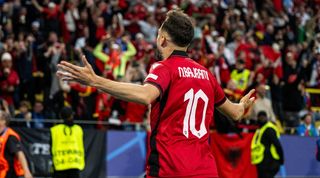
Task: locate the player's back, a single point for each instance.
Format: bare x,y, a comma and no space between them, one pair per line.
180,119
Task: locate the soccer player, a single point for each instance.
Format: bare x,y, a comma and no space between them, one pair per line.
183,95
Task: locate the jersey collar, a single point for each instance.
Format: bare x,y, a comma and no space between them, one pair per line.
179,53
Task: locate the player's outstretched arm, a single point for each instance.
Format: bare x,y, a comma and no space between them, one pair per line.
237,110
143,94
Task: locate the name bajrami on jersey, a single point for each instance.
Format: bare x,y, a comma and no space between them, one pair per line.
196,73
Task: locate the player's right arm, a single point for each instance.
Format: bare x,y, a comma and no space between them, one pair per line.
144,94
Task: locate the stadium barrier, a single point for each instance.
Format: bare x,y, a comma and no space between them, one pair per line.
115,153
36,144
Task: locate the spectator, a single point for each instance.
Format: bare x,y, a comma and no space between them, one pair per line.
222,66
9,80
82,100
269,35
54,53
233,45
52,14
149,28
150,5
71,17
241,76
24,115
315,73
263,103
77,96
277,97
136,13
307,128
292,91
116,28
19,16
60,99
81,41
37,33
38,115
103,108
118,58
4,106
142,46
100,30
23,64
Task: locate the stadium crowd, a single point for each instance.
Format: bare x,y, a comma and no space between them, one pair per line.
270,45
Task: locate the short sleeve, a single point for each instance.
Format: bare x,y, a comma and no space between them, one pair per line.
14,145
219,96
159,76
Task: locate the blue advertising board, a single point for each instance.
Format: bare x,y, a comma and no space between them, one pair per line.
300,157
126,153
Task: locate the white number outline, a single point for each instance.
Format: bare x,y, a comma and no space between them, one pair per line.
190,115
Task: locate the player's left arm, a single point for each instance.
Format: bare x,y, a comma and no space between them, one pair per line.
144,94
237,110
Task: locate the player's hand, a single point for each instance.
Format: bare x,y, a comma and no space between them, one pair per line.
248,99
70,72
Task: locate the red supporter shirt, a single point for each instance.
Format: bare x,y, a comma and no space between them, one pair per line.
180,118
51,13
12,80
135,112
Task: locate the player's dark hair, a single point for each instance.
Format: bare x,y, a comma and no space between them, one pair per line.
179,27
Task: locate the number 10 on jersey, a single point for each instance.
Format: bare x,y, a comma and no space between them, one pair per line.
191,110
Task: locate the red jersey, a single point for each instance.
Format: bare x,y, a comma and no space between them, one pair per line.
180,118
12,80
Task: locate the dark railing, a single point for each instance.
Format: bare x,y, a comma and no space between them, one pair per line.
113,124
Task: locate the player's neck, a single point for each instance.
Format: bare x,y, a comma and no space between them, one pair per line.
168,51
